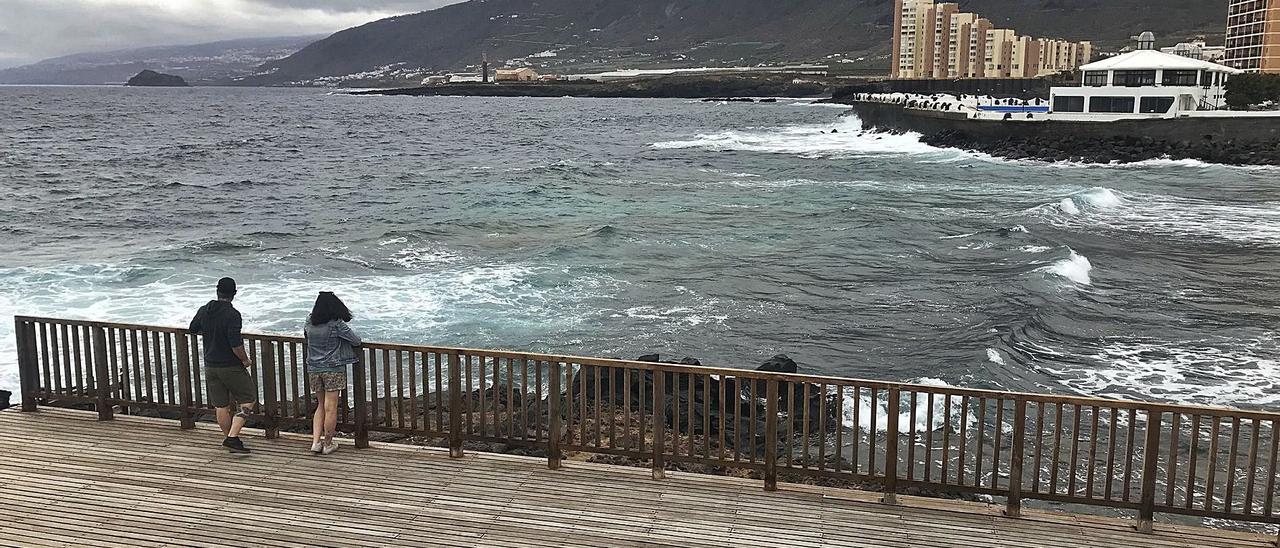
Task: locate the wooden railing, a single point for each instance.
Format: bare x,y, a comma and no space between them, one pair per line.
1144,457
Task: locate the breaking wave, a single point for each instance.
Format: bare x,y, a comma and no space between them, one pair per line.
1255,224
1075,268
811,141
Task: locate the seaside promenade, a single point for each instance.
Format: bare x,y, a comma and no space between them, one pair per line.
67,479
839,458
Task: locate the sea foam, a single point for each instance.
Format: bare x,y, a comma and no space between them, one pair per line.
812,141
1075,268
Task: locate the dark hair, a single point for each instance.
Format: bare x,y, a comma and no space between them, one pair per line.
226,288
328,308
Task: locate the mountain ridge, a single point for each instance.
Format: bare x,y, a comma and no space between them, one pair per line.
201,63
566,35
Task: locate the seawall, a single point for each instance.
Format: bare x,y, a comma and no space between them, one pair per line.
1254,141
672,87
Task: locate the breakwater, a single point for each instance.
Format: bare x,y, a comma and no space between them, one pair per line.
672,87
1224,140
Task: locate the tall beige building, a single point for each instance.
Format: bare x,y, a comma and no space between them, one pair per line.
1253,35
939,41
999,52
913,30
940,53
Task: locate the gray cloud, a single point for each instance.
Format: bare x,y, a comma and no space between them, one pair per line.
31,30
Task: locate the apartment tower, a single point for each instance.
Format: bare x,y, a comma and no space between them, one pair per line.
1253,35
939,41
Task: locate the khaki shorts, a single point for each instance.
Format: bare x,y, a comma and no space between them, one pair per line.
328,381
227,384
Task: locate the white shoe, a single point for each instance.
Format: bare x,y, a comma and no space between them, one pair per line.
329,449
317,447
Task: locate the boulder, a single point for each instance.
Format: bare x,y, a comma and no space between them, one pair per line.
151,78
4,399
778,364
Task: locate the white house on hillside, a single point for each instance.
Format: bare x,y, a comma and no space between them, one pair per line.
1142,84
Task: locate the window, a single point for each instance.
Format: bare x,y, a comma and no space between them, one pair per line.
1095,78
1134,78
1111,104
1155,105
1181,77
1068,104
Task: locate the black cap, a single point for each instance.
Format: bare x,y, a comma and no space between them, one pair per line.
227,287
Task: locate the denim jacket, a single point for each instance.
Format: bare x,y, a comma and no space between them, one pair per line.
330,347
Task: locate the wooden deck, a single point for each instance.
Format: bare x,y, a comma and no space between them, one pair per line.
69,480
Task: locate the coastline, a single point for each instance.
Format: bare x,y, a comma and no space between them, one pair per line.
1218,140
672,87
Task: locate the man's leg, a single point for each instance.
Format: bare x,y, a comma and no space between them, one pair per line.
237,422
224,419
219,397
240,383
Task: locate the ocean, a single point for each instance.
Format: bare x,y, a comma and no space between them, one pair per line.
725,232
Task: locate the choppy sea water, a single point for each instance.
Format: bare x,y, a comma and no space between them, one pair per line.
727,232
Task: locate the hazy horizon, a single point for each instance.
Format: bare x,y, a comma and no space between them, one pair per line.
34,30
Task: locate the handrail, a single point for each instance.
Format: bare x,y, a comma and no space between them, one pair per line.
1199,461
714,370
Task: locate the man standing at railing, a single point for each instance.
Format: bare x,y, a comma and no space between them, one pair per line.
226,364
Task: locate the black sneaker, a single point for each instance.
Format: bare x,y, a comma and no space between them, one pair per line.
235,445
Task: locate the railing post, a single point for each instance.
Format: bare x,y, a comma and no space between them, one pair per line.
28,363
659,424
186,415
891,448
359,385
101,376
770,434
270,398
1013,508
455,406
1150,456
553,417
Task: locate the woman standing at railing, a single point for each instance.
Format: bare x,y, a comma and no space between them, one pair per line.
331,348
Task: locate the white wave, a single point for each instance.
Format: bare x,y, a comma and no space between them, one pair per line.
431,305
995,357
1076,268
1034,248
811,141
1257,224
1201,372
922,410
822,105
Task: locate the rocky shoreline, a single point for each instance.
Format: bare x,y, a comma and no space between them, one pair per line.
1218,140
1111,150
670,87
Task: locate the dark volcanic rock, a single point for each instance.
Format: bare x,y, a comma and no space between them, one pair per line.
4,399
152,78
779,364
1226,140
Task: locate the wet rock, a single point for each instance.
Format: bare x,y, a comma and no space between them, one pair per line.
5,395
779,364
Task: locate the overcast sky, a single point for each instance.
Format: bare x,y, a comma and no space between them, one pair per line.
31,30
